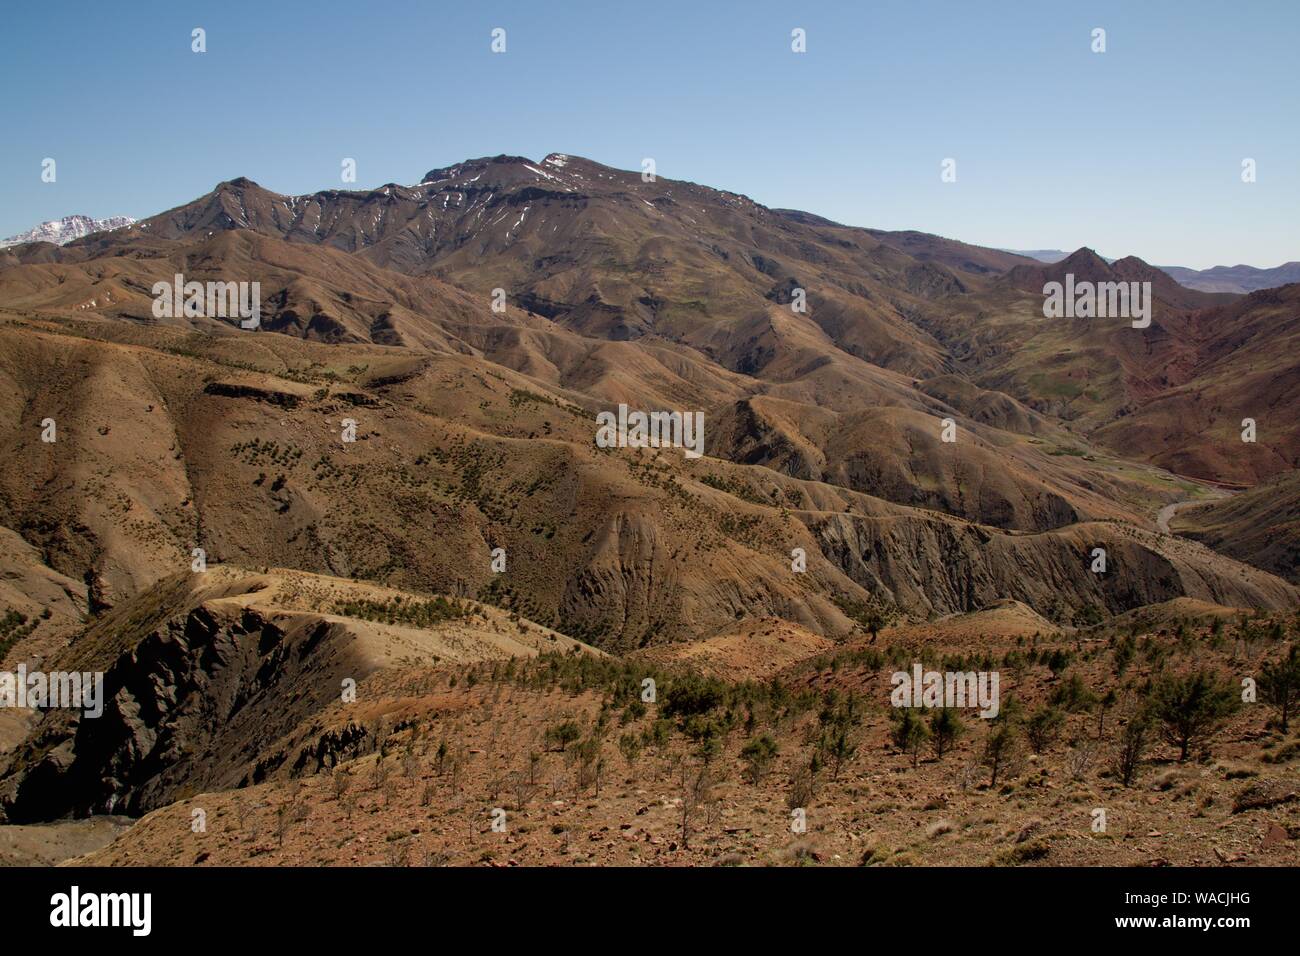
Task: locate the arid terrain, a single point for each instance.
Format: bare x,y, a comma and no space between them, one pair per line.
365,589
584,773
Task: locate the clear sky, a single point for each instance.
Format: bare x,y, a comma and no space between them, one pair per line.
1137,150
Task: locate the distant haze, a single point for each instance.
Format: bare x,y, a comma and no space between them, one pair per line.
1238,278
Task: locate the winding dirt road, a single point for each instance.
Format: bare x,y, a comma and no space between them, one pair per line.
1168,511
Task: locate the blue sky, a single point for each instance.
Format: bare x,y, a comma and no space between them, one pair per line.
1134,151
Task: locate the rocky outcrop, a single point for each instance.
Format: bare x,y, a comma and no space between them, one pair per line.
942,567
194,706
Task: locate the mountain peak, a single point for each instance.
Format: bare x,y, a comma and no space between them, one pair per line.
1087,266
238,185
65,230
1132,268
474,166
1087,259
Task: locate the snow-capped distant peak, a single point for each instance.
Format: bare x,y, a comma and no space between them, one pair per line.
62,231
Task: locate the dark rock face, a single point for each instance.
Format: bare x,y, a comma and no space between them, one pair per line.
200,703
955,568
230,390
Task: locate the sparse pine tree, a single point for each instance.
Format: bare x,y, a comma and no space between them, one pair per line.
1002,750
758,755
341,782
838,745
909,733
283,820
1104,704
561,735
1279,687
1043,727
945,727
1132,748
629,745
1073,694
1191,707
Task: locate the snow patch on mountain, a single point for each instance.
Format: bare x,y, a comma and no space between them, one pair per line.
62,231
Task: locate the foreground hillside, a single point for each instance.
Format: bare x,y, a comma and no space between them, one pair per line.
209,680
575,769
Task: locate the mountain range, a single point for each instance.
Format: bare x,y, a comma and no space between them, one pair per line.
62,231
893,431
661,295
1237,279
